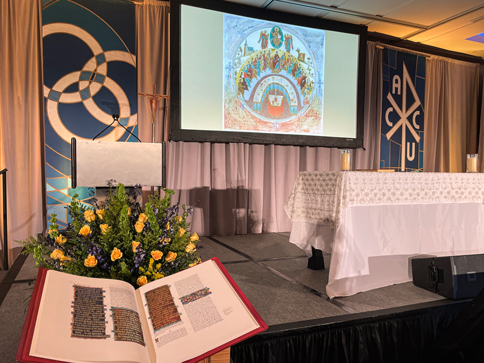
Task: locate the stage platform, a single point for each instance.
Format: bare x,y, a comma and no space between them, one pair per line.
397,323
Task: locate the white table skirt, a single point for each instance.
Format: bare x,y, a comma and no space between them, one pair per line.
373,244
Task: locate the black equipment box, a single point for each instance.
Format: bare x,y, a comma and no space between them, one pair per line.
455,277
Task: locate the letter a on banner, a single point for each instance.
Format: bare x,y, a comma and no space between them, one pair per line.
403,100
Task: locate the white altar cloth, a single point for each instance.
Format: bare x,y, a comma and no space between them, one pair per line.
374,223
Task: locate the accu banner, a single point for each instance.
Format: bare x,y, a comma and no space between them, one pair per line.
403,101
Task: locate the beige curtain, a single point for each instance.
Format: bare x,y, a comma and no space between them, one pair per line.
480,148
21,139
153,35
451,96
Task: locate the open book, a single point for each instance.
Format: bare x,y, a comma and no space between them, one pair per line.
180,318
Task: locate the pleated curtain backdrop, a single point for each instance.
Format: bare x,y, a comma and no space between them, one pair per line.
153,62
21,133
451,117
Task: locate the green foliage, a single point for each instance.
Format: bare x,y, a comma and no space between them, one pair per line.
119,239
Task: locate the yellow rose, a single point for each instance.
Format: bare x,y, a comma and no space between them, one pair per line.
178,219
85,230
90,261
89,215
61,239
142,218
104,228
100,213
167,225
181,232
139,226
135,244
194,237
56,254
129,212
192,264
65,259
170,256
190,248
156,255
142,281
167,240
116,254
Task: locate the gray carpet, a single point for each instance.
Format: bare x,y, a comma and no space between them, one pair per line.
271,271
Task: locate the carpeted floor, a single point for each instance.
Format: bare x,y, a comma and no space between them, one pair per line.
271,271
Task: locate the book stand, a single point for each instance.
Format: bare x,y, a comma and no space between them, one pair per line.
95,163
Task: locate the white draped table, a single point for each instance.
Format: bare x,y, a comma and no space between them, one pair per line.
373,223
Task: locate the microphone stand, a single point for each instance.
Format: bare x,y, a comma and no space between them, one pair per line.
115,119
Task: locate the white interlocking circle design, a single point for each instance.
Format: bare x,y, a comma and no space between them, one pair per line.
90,79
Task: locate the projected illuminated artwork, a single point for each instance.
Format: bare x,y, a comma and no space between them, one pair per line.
273,77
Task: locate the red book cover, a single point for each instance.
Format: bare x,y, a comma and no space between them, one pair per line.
23,352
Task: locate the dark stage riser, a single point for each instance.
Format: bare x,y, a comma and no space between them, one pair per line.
385,336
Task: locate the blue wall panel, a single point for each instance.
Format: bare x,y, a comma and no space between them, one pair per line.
89,75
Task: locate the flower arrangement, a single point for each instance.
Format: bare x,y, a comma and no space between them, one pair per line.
119,239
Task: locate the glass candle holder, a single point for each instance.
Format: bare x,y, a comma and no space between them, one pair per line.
471,163
345,160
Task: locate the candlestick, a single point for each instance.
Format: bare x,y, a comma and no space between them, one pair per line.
472,163
345,160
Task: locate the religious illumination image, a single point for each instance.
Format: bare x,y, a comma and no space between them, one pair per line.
273,77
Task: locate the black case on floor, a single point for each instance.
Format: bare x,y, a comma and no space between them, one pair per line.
455,277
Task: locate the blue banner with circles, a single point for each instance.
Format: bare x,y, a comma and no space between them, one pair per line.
403,105
89,65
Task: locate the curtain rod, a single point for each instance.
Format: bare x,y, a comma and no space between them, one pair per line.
151,2
380,45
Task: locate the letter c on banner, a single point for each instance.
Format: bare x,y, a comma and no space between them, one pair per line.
414,121
389,109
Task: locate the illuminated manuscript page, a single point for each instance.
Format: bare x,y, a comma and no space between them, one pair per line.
76,321
192,312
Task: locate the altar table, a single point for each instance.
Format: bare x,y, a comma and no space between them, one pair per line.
373,223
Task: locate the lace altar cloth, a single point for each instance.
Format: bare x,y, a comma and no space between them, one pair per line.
319,197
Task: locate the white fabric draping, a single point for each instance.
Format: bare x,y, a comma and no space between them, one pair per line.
21,134
375,244
451,96
373,223
153,55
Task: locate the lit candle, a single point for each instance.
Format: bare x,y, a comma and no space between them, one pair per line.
345,160
472,163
